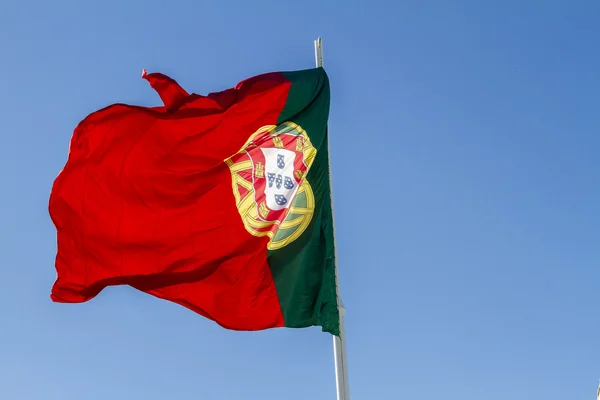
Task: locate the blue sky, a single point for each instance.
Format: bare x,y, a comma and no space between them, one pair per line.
464,140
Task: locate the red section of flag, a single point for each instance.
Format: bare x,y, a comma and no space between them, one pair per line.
146,199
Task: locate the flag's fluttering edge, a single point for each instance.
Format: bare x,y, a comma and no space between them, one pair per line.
220,203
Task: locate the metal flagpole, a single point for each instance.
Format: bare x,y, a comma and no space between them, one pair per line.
339,342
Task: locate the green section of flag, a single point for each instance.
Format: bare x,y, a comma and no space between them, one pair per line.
303,270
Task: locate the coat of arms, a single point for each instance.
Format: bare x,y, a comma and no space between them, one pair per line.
269,182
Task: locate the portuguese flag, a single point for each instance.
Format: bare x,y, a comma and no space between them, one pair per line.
220,203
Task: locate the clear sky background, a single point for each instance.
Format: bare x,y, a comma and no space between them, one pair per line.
465,140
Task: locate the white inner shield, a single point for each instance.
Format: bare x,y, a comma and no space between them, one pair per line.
279,172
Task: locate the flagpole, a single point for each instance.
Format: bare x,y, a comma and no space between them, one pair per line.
339,342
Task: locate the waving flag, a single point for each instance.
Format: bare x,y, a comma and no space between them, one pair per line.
220,203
